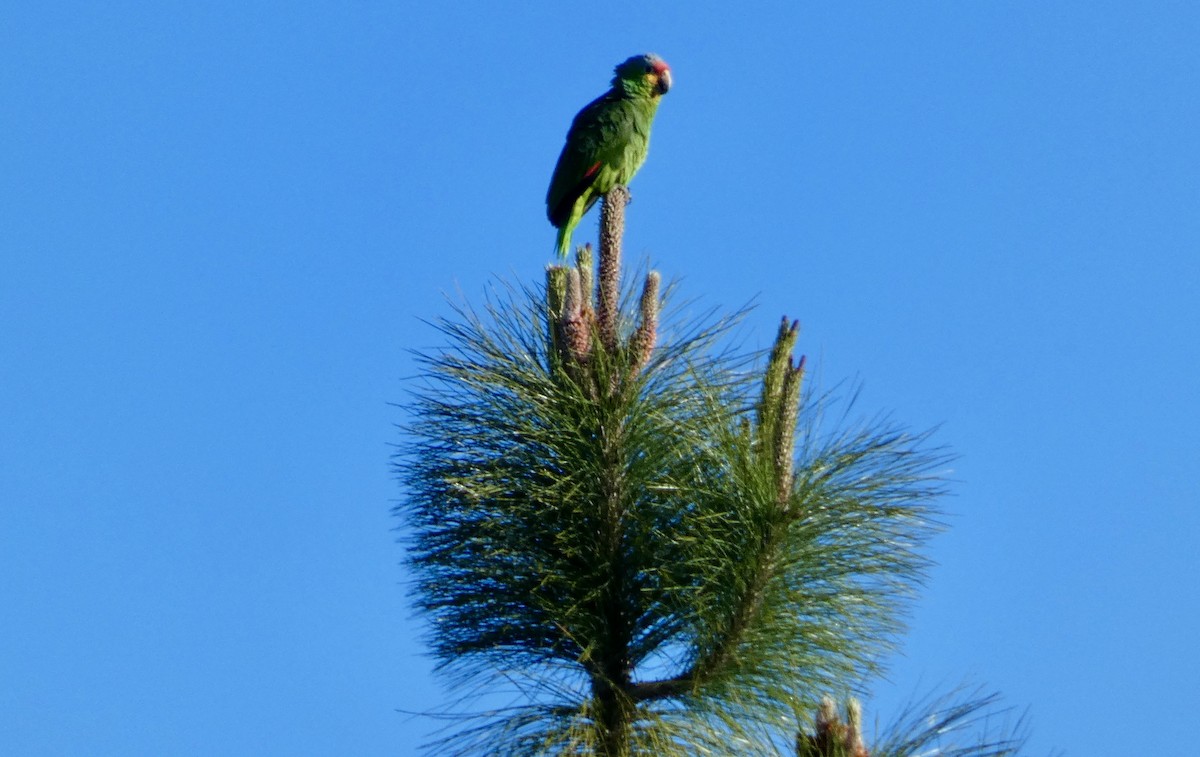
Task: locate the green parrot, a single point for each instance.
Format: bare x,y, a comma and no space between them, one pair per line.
607,143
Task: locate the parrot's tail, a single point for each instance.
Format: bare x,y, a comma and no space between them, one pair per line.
563,242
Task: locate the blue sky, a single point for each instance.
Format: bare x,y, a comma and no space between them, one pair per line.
222,224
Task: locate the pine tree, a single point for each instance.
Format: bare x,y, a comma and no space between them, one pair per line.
654,540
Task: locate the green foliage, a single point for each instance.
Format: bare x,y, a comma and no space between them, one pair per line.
958,724
630,550
654,542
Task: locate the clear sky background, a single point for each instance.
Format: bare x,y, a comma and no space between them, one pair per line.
222,223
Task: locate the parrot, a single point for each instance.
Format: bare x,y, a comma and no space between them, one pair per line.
606,144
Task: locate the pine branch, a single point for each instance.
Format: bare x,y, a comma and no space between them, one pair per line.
777,414
612,228
662,551
961,723
641,344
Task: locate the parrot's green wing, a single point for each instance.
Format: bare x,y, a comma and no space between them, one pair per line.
606,145
577,166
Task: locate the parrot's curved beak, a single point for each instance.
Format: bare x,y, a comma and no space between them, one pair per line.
664,81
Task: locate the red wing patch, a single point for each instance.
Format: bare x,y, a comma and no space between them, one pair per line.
561,212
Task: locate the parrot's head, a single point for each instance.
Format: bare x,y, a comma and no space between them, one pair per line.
643,76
